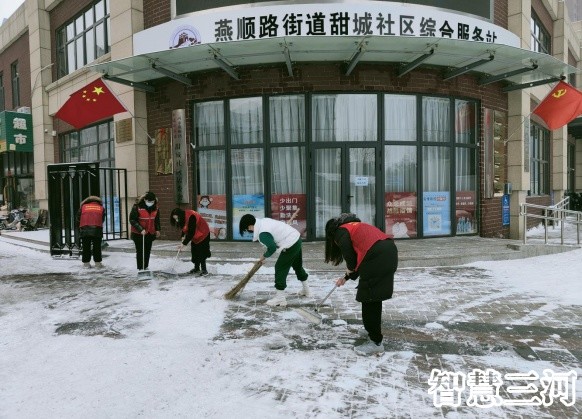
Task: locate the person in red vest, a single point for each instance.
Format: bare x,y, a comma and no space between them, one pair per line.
90,219
195,231
145,227
370,255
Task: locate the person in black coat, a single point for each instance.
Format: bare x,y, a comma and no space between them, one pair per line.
89,220
145,227
371,256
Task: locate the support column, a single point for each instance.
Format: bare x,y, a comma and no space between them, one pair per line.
40,71
131,151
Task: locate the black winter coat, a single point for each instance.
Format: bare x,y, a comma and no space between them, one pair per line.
376,272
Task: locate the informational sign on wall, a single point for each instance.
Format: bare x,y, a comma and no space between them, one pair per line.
505,217
436,213
253,204
15,131
374,18
180,156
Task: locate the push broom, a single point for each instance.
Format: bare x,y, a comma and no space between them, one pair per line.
243,282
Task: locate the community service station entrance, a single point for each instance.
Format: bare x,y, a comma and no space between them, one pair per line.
345,181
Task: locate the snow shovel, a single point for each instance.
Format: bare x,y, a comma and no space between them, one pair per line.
144,274
314,316
172,272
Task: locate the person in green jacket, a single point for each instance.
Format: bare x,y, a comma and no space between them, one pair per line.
278,236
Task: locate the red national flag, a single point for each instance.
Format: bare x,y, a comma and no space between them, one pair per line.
92,103
560,106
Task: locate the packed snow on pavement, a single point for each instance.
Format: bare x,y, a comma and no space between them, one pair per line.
84,343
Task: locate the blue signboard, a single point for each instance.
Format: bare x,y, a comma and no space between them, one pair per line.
246,204
505,210
436,213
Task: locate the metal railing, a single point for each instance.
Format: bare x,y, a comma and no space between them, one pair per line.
556,214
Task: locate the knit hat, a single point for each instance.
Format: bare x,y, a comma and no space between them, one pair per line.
149,196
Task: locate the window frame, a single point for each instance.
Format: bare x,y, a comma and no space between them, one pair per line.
539,160
541,40
72,39
15,81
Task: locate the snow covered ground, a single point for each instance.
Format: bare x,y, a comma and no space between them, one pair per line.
87,344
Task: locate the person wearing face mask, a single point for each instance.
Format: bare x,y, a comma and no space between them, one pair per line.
145,227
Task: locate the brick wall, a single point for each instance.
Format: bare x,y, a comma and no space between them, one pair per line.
316,77
156,12
17,51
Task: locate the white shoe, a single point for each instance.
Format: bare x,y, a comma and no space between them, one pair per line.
278,300
369,348
99,265
305,291
86,265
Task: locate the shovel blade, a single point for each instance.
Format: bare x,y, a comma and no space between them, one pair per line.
144,275
309,315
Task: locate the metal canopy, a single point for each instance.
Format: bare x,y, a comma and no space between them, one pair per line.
519,67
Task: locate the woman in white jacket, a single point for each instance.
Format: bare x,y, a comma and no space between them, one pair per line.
277,235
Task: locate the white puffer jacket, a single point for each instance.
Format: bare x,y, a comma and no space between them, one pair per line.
284,235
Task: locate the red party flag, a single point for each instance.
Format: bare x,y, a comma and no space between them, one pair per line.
560,106
92,103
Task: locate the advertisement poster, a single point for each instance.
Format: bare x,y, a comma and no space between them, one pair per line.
436,214
246,204
213,210
163,151
283,207
465,212
400,214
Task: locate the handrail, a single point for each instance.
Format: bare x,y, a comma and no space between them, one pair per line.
552,213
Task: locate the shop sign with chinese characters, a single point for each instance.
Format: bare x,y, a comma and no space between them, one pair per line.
384,19
15,131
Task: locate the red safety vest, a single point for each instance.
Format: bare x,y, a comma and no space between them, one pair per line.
147,220
91,215
363,237
202,229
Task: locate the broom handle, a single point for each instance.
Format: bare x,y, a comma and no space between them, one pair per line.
176,258
327,296
290,220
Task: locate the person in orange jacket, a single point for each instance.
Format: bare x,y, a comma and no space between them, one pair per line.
90,219
195,230
145,227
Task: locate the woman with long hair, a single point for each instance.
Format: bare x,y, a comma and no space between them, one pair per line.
371,256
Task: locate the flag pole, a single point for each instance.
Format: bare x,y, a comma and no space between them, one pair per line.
153,141
518,128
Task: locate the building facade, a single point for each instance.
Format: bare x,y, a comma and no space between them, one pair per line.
415,117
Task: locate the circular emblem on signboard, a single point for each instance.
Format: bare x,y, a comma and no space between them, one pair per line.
184,36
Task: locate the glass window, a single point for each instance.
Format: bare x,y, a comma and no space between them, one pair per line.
15,85
288,191
400,185
2,103
83,39
436,195
466,190
436,119
247,186
287,119
400,118
465,122
92,144
345,117
539,160
212,191
540,37
209,123
246,120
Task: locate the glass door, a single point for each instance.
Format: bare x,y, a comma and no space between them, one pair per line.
345,181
